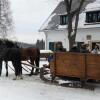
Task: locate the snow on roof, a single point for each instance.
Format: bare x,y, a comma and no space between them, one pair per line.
93,6
53,22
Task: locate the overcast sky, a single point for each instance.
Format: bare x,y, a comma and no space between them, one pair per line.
28,16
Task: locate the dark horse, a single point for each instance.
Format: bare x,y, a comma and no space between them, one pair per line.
32,54
10,53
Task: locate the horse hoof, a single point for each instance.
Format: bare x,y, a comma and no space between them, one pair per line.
18,78
6,75
30,74
21,78
14,78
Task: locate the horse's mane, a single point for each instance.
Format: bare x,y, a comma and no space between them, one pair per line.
9,43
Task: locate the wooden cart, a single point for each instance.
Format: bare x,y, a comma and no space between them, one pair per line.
75,65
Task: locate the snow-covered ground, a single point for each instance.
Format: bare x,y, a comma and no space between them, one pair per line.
32,88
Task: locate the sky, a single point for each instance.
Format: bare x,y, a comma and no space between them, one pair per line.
28,17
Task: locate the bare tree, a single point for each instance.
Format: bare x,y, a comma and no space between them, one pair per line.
6,23
73,8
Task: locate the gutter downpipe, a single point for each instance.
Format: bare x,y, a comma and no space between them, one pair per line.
45,41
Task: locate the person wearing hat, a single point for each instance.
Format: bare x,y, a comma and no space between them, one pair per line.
84,49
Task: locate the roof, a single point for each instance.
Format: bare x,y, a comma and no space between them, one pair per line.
53,22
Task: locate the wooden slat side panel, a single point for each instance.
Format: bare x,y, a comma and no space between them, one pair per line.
70,64
93,66
93,58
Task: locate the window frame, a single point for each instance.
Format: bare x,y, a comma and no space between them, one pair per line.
63,19
93,17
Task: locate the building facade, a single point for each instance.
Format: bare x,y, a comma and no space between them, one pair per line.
55,28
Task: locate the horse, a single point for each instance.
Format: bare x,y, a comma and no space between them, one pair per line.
32,54
10,54
5,44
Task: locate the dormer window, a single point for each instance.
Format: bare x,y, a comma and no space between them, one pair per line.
93,16
63,20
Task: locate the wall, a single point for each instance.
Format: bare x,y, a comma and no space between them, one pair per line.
56,35
61,35
82,33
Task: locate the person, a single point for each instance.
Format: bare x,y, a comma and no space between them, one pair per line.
74,49
59,48
50,57
95,50
84,49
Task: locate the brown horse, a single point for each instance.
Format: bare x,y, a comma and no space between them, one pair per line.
32,54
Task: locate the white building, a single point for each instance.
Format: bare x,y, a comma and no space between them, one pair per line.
55,27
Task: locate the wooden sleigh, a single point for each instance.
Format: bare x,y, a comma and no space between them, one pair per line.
74,66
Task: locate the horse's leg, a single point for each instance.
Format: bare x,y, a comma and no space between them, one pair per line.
18,69
32,62
0,67
6,66
37,65
36,61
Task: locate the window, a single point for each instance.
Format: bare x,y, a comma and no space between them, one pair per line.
51,46
88,37
55,45
99,16
63,19
93,16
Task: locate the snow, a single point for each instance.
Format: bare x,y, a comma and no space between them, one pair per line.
33,88
46,51
93,6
